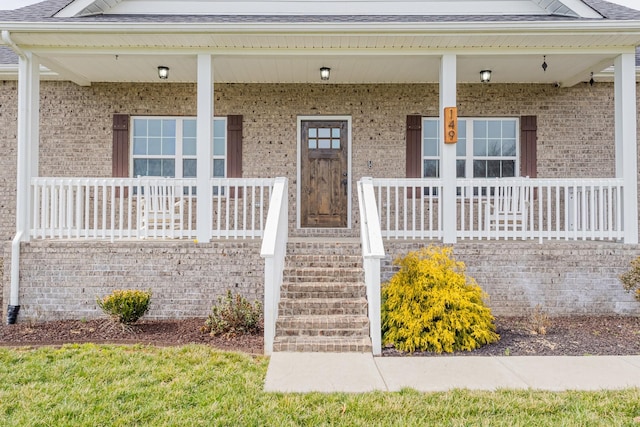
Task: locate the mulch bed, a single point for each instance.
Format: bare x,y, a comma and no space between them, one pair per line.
149,332
564,336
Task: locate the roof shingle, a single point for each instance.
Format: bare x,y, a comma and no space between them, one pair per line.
44,11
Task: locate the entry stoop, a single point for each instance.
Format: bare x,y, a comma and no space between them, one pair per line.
323,304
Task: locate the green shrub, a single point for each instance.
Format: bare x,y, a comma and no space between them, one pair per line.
234,315
631,279
431,305
125,306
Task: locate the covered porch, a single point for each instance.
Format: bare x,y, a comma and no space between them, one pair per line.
381,74
564,202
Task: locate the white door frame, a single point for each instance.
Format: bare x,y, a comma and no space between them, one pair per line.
299,163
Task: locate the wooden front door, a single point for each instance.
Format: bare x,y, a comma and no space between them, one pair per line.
324,173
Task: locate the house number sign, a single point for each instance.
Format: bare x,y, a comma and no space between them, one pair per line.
450,125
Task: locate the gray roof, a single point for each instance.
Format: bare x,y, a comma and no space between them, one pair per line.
7,56
44,11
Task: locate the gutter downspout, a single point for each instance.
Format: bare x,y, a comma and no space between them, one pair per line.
6,38
14,296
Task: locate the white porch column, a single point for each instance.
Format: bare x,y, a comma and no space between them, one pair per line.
626,141
448,65
204,147
28,138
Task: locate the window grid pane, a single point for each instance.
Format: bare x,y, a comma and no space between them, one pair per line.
490,150
157,147
323,139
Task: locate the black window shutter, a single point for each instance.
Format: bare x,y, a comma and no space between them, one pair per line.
120,149
414,149
234,148
120,152
528,141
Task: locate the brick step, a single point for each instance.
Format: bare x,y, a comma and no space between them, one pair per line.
326,233
323,306
329,325
321,274
304,248
295,290
322,261
322,344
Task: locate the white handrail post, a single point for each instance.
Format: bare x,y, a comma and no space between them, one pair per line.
372,253
274,249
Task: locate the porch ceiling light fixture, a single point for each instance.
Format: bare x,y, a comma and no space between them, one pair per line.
324,73
544,63
485,76
163,72
591,81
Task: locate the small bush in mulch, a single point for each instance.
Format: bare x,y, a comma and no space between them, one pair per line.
234,315
631,279
432,305
125,306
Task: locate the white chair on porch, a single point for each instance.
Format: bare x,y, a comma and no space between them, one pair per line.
161,211
507,210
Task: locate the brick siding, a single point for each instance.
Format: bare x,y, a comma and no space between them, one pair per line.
564,278
62,279
573,123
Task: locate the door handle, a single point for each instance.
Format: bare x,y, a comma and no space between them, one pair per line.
344,183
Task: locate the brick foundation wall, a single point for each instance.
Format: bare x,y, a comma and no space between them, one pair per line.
62,279
564,278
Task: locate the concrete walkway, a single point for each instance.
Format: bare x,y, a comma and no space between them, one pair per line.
357,373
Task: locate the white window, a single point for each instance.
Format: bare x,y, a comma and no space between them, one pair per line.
486,148
166,146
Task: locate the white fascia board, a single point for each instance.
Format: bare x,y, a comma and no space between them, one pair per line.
488,27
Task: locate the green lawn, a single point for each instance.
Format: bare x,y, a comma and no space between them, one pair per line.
89,385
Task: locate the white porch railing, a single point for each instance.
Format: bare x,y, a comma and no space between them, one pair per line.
240,206
124,208
372,253
509,208
274,250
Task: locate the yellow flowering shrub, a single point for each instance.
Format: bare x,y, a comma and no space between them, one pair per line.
431,305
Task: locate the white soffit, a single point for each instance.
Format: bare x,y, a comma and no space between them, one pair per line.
345,69
572,8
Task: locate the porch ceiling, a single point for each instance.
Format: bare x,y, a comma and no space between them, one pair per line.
346,68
